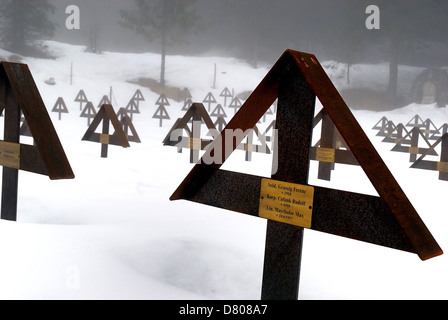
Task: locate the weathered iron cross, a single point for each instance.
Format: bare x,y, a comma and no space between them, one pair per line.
19,94
388,220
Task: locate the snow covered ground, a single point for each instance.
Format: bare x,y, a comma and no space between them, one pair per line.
112,233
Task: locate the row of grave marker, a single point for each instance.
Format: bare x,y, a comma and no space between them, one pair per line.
297,79
89,110
407,141
161,113
328,150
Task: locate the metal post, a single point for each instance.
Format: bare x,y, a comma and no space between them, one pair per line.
10,180
283,252
105,146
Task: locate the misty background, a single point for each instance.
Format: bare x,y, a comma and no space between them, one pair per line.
412,32
260,30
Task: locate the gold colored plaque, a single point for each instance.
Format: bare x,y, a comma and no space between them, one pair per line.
325,155
442,166
249,147
286,202
195,143
414,150
10,154
104,138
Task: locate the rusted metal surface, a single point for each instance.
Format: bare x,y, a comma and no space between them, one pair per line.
10,175
328,149
283,249
28,99
389,220
411,233
19,94
106,115
196,113
442,165
351,215
410,144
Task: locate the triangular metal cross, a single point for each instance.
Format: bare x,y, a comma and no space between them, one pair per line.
388,220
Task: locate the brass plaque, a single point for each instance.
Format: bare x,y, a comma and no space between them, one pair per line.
249,147
442,166
10,154
195,143
325,155
286,202
414,150
104,138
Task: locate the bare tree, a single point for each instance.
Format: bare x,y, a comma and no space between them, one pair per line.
168,21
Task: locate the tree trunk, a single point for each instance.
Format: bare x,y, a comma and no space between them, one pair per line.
392,93
164,29
162,67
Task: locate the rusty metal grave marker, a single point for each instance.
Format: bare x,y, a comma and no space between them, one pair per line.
161,112
133,106
106,115
442,165
88,112
235,104
389,220
430,130
226,94
380,124
249,146
81,98
397,134
220,115
138,96
387,129
19,94
104,100
187,104
127,125
328,150
440,132
416,121
60,107
196,114
185,95
412,146
209,99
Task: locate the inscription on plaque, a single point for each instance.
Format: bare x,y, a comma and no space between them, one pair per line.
10,154
286,202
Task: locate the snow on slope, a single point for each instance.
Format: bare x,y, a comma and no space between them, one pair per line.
112,233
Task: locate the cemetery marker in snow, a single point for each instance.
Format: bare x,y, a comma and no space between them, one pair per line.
389,220
106,115
19,93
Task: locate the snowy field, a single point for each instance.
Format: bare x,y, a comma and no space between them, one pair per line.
112,233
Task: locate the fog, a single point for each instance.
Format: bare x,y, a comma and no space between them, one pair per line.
260,30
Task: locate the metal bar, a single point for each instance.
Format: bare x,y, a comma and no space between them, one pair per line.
10,180
366,155
326,141
283,250
105,146
444,156
347,214
46,139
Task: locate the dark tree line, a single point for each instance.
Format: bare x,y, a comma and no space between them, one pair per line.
165,21
24,23
411,31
